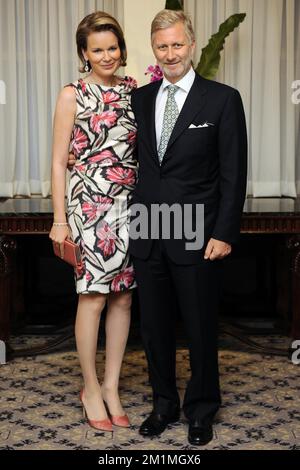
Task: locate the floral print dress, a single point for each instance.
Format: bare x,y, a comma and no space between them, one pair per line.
101,184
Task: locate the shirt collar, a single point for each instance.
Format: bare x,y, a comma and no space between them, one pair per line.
185,83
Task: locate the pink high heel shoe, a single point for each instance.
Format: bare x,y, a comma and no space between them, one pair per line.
100,425
121,421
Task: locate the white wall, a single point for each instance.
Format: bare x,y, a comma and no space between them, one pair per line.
138,15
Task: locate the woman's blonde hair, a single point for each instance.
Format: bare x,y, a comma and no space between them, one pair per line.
166,18
96,22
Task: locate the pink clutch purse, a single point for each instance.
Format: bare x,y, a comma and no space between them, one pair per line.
72,254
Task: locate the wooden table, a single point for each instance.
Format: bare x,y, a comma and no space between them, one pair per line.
261,216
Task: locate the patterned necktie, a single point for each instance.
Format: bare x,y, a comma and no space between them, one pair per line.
170,117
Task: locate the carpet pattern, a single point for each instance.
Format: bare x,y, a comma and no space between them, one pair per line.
40,408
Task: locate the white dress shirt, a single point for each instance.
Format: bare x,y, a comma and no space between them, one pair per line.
184,85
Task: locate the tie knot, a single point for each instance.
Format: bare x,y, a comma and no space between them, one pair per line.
172,89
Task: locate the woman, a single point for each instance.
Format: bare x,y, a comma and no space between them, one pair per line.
94,121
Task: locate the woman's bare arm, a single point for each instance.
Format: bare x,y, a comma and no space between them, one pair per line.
62,129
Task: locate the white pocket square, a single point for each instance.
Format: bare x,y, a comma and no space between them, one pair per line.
205,124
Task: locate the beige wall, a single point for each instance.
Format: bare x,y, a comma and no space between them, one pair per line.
138,15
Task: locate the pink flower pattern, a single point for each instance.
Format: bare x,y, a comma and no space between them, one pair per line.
106,119
94,209
131,138
79,141
106,240
103,141
106,156
110,97
120,175
123,279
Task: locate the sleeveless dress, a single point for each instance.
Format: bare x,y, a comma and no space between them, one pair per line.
101,184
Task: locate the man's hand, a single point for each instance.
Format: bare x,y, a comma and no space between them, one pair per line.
71,161
216,249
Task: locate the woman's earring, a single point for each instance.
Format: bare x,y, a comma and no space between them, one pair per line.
86,68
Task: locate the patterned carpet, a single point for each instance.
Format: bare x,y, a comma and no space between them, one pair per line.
40,409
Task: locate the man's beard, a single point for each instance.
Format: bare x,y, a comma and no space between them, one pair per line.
180,69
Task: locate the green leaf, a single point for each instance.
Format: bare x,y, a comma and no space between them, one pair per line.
210,57
174,5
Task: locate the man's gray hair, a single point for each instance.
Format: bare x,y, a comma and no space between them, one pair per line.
166,18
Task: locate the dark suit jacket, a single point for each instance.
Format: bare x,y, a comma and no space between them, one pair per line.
206,165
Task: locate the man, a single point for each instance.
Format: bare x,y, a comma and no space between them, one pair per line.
192,149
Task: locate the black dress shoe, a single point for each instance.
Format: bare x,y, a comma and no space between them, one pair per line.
156,423
199,435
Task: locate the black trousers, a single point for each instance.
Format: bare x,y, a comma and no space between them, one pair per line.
196,289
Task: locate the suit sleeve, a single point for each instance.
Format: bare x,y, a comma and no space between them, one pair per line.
135,112
133,103
232,150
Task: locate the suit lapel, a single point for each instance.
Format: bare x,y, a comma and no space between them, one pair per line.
193,104
149,111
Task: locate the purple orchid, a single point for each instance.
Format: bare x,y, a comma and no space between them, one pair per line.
155,71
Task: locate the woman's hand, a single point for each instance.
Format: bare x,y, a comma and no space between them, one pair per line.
58,235
71,161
